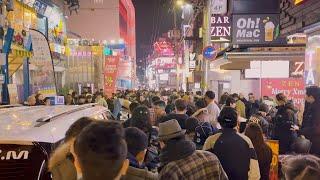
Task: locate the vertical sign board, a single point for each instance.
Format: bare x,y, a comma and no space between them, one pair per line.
220,28
110,74
43,80
219,6
256,29
274,145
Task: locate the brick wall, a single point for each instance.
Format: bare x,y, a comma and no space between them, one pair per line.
295,17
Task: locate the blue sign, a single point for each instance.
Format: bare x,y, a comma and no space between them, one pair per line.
209,52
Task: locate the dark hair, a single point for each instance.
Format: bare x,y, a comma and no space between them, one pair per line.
235,96
313,91
180,104
263,108
230,100
223,99
160,104
155,98
228,117
191,124
75,128
281,97
133,105
141,118
210,94
254,132
98,146
201,103
303,166
136,139
199,93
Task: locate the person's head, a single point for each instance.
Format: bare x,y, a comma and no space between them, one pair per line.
281,99
201,103
47,101
133,106
265,98
76,127
170,132
39,97
264,109
82,99
235,96
100,151
301,167
312,94
223,99
137,143
228,118
252,98
180,105
155,99
199,93
141,118
254,132
89,99
209,96
69,99
231,102
191,124
159,107
31,100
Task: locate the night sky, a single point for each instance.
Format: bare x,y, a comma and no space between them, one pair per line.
153,18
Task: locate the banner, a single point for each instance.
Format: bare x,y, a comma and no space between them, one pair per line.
256,29
110,74
43,77
293,88
274,145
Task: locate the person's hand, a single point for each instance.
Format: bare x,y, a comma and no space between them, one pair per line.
295,128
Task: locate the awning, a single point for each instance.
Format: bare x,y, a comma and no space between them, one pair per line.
241,60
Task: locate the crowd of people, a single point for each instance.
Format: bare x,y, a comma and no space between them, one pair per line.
177,135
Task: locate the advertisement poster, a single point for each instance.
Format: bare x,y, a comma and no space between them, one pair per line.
274,145
219,6
110,74
293,88
255,29
43,77
13,93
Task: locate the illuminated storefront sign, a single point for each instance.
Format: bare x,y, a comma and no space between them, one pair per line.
220,28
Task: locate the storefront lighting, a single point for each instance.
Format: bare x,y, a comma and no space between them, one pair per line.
179,3
113,41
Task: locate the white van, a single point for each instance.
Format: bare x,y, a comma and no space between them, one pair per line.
28,135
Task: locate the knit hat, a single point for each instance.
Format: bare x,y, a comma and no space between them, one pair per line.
136,139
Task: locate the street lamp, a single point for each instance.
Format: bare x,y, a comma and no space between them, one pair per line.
179,3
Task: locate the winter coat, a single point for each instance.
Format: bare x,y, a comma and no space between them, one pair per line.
139,174
311,126
283,121
61,164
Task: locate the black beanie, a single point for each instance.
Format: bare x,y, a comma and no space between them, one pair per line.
136,139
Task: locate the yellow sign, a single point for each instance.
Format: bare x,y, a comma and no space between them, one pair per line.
274,145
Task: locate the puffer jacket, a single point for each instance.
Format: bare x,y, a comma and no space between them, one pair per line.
61,164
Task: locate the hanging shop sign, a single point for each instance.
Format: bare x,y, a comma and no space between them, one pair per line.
296,69
298,2
220,28
43,80
219,6
210,52
40,6
110,74
256,29
293,88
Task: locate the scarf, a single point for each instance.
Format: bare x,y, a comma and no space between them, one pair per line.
176,150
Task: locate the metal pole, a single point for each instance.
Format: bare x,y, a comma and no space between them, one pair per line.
176,47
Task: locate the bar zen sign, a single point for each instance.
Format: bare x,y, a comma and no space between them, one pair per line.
220,28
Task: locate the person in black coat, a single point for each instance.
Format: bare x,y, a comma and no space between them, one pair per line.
311,119
284,122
